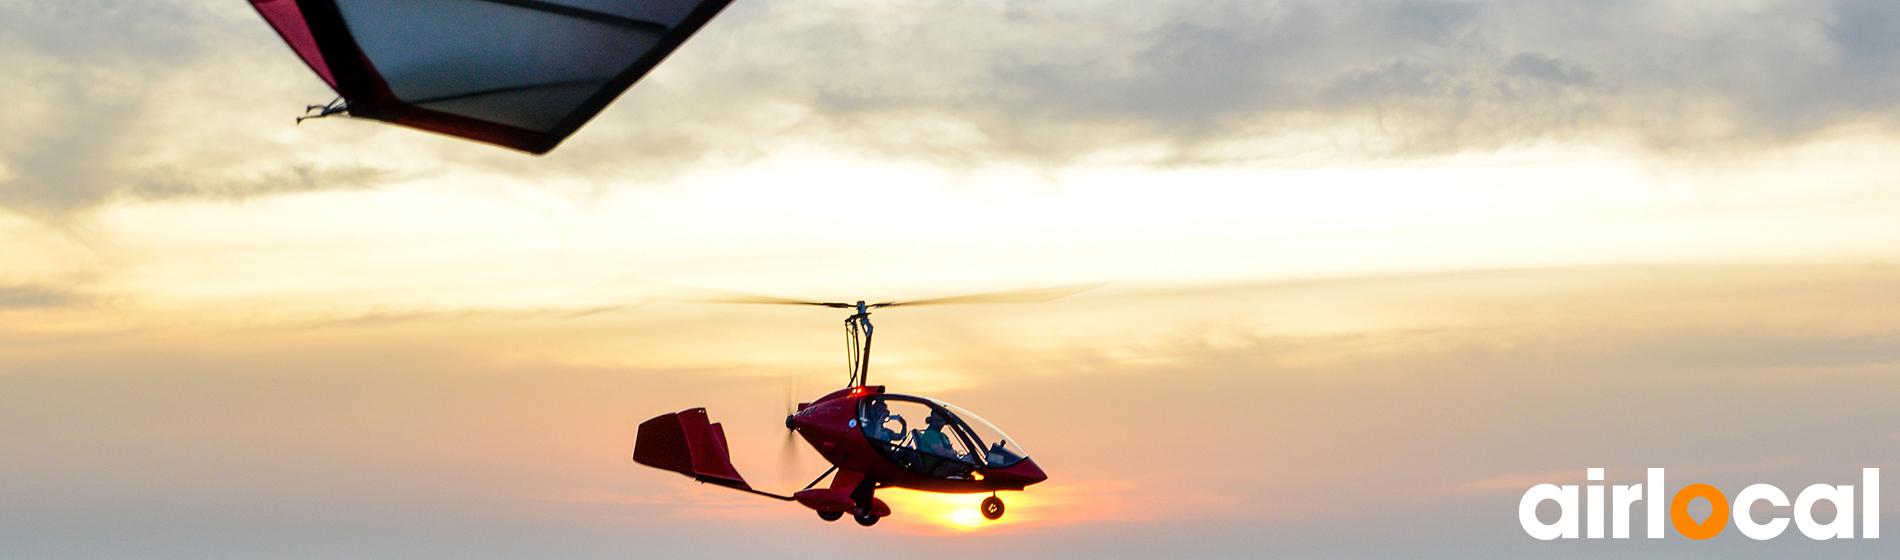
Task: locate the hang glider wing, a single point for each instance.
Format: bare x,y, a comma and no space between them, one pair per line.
517,73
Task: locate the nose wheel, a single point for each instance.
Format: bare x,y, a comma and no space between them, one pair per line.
992,508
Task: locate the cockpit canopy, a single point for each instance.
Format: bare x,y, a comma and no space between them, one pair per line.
934,438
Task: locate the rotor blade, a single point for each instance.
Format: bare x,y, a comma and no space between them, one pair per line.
1032,295
641,290
765,300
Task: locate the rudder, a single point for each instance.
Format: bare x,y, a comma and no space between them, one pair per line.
686,442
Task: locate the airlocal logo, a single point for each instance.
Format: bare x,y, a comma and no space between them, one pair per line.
1622,497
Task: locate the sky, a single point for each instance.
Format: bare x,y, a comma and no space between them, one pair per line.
1374,269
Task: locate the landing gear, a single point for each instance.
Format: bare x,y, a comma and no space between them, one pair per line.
830,515
866,513
992,508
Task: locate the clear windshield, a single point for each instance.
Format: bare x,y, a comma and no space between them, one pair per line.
916,432
998,450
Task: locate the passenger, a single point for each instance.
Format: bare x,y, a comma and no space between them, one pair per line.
876,423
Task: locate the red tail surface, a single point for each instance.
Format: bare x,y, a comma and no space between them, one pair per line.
686,442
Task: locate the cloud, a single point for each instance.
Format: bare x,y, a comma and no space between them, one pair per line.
1055,80
1548,69
25,296
143,100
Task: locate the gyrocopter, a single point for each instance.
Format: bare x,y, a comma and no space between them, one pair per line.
523,74
872,438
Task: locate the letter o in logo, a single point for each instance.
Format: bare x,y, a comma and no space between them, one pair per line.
1679,512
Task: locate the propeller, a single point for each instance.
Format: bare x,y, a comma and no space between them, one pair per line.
790,467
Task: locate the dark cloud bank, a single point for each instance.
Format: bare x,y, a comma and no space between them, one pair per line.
151,99
1428,76
97,94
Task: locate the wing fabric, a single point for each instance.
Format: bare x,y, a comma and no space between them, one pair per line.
285,17
523,74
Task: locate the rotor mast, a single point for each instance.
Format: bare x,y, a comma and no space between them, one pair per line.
857,330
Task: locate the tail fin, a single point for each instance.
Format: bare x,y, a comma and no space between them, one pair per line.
685,442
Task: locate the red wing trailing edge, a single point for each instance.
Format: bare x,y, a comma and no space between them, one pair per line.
524,74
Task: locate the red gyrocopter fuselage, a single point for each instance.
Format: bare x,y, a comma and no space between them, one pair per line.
873,440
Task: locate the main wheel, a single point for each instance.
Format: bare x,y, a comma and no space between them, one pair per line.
866,520
830,515
992,508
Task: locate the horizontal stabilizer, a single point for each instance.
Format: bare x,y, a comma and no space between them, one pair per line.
686,442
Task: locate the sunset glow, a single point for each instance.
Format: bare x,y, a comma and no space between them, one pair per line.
1368,271
942,513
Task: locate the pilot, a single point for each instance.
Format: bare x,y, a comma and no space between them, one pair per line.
932,439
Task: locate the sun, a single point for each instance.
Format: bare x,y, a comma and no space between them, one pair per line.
967,518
